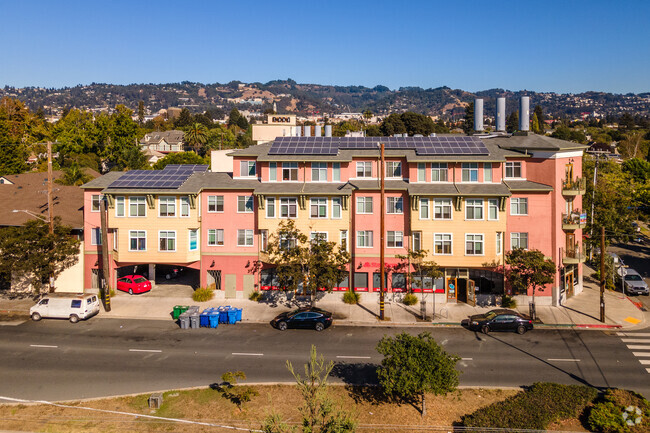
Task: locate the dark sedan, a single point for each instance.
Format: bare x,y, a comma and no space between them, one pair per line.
311,318
498,320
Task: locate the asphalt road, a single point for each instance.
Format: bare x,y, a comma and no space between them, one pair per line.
637,257
55,360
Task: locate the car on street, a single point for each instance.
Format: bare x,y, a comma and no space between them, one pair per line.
306,318
498,320
133,284
634,284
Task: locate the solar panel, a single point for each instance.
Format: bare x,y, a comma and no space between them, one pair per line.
171,177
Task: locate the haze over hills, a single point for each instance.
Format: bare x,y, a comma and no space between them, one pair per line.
309,99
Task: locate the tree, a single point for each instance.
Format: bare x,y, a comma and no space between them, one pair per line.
236,394
416,123
529,269
639,169
540,118
392,125
123,149
179,158
535,124
512,122
414,366
633,145
141,112
74,175
13,158
196,136
184,119
468,125
367,114
243,123
233,118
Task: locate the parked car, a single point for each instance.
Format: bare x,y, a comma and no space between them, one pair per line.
313,318
499,320
71,306
133,284
634,284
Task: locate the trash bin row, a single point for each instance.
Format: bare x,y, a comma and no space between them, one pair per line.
189,317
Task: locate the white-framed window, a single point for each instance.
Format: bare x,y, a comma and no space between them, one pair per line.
319,172
215,237
167,240
185,207
364,169
273,171
120,206
513,169
167,206
487,172
393,169
286,242
424,208
193,236
442,209
518,206
270,207
499,243
264,239
343,234
247,169
394,205
519,240
137,206
244,204
474,209
416,238
442,243
469,172
215,203
116,240
289,171
493,209
474,245
288,207
439,172
318,207
95,203
394,239
336,172
96,236
422,169
336,207
318,235
244,238
364,204
364,238
137,240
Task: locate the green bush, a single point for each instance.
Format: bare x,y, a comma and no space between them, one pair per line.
535,408
410,299
351,297
202,294
607,415
508,302
255,296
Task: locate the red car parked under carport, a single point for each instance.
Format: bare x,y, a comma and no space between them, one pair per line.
133,284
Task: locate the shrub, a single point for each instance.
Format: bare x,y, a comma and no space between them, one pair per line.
410,299
351,297
508,302
607,416
552,402
236,394
202,294
255,296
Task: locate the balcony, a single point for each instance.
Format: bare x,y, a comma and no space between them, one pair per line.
572,187
574,255
574,220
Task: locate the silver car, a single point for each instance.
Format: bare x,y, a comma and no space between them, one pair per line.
634,284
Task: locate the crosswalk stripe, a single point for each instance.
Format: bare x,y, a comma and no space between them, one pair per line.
633,334
638,347
636,340
648,370
644,361
641,354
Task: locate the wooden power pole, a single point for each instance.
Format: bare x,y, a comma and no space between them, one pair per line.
602,274
106,287
382,211
50,209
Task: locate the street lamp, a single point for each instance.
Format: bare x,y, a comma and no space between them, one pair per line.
34,214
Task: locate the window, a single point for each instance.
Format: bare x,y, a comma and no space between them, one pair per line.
336,207
519,240
289,171
474,245
417,241
442,243
487,172
424,208
336,172
245,203
493,209
319,172
499,243
215,203
264,239
273,171
167,206
318,208
270,207
318,235
364,204
96,236
395,239
96,199
439,172
288,207
364,169
167,241
287,243
518,206
215,237
422,176
115,240
360,280
513,169
442,209
398,281
194,239
244,238
470,172
394,205
364,239
137,207
393,169
185,206
247,168
137,240
344,240
474,209
120,207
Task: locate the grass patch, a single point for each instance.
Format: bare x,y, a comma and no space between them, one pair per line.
202,294
620,411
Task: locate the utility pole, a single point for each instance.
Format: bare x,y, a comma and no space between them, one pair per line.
602,274
106,287
593,197
50,210
382,211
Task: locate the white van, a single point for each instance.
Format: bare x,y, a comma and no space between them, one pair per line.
72,306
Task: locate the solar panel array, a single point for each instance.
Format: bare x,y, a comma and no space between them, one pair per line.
171,177
452,145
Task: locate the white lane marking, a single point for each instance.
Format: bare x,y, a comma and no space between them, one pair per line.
467,359
145,350
246,354
352,357
633,334
638,347
43,345
644,361
635,340
563,359
641,353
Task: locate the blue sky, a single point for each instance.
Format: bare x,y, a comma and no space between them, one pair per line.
561,46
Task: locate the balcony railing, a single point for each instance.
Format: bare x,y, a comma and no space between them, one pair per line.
575,186
573,255
574,220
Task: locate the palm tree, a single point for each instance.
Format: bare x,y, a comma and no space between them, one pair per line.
74,175
196,135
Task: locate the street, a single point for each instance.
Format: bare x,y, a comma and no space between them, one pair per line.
55,360
635,256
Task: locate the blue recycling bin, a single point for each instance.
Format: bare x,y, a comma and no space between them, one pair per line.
223,315
239,313
232,316
204,320
213,319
